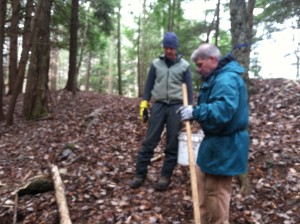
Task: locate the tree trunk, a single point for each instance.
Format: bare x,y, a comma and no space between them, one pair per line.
88,71
139,66
2,35
171,15
241,32
217,23
177,15
29,32
297,63
142,70
111,64
53,68
211,26
72,82
101,74
13,47
35,104
119,54
82,45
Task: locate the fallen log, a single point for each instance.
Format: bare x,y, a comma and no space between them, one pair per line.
60,196
36,185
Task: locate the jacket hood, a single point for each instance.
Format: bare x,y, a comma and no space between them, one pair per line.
228,63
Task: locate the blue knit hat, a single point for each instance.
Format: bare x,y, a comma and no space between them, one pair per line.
170,40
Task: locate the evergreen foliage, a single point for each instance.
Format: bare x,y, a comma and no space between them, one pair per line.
141,40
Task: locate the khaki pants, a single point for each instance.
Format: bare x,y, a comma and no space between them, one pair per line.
214,197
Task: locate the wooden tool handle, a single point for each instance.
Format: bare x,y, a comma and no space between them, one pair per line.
192,163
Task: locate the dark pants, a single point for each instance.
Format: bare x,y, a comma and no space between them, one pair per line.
161,115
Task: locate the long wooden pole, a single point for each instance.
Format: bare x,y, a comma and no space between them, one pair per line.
192,163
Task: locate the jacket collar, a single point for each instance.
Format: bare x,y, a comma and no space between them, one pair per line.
167,60
224,61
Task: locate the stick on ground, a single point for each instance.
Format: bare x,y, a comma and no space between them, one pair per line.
60,196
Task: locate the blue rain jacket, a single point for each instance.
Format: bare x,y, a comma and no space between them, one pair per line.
222,112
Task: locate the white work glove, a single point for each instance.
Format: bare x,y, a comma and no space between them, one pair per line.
186,112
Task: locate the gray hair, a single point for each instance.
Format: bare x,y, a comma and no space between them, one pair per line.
205,51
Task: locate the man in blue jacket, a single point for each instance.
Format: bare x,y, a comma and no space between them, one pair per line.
222,112
164,87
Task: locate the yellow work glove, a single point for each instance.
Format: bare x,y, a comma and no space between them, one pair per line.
144,110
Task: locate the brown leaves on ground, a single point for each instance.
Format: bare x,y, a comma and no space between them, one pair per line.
94,140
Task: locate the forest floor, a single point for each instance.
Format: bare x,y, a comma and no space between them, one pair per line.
93,139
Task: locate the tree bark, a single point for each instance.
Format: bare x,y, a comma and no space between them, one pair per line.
239,41
241,19
13,46
72,82
35,104
2,35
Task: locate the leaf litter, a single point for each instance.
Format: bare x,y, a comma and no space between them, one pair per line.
94,140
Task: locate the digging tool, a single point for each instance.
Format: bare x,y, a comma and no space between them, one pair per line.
192,164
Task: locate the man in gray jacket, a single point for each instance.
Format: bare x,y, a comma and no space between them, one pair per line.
164,87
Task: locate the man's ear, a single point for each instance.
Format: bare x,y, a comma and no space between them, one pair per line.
213,59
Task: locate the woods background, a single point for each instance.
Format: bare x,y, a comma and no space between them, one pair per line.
54,44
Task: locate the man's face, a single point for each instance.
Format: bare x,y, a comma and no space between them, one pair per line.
170,53
205,66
